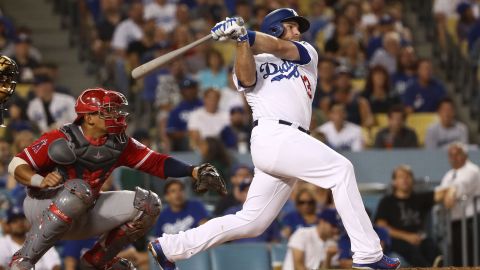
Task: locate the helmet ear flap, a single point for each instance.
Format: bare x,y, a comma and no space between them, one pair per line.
276,30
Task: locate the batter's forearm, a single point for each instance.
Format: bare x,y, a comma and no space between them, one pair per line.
245,68
282,49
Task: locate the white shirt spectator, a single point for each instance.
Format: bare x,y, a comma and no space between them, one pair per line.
466,180
384,59
208,124
308,241
8,247
229,99
446,7
62,109
126,32
164,15
348,138
440,137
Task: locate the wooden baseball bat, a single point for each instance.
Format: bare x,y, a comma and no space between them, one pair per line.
151,65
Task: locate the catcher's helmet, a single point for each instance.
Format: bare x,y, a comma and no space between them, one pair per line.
108,104
272,24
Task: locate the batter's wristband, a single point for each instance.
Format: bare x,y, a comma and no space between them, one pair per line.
251,37
36,180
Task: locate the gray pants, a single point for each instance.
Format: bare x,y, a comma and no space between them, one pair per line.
111,210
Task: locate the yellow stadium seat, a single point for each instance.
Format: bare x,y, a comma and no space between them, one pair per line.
452,29
23,89
381,119
420,123
369,135
358,85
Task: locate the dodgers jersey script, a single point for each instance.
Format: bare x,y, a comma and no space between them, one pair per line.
284,89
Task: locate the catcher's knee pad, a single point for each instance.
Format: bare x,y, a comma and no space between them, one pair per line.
68,205
149,206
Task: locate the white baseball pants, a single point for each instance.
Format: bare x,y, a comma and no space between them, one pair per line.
282,155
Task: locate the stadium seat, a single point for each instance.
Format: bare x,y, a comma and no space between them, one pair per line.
201,261
240,257
23,89
420,123
381,119
277,253
358,85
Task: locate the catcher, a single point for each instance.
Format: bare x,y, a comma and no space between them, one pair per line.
64,170
8,80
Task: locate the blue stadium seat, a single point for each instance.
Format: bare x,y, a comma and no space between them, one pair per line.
278,253
240,257
201,261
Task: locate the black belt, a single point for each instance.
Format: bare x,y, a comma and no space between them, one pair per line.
283,122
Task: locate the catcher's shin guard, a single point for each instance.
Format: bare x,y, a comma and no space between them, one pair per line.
104,251
70,203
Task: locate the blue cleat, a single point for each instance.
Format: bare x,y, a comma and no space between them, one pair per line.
384,263
162,261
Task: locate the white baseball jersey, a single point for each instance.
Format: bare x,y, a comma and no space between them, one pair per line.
284,89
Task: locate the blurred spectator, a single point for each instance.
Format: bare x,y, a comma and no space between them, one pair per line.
239,124
270,235
181,213
16,230
396,135
343,30
388,54
447,130
352,56
406,71
377,90
213,151
49,109
163,12
357,107
73,250
404,213
464,177
314,247
5,157
243,9
22,33
466,21
179,116
215,75
146,47
303,216
207,121
50,70
320,16
326,79
259,12
375,12
344,245
425,92
128,30
239,173
341,135
18,120
26,63
443,10
229,96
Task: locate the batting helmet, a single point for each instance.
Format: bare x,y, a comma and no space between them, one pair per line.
107,104
272,24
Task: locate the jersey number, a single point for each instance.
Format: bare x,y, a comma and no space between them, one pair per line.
308,85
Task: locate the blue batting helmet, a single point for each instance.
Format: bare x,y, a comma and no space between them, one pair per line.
272,24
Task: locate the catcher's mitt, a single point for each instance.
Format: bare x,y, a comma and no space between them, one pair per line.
209,178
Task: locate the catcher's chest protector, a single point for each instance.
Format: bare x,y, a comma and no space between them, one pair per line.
91,161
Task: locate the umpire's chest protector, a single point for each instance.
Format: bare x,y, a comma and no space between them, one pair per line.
85,157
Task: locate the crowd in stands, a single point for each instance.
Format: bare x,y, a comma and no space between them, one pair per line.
373,91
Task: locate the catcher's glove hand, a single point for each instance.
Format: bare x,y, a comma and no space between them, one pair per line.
209,178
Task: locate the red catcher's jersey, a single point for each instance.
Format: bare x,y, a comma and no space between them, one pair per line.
135,155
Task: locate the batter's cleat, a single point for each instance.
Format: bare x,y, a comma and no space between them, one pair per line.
384,263
162,261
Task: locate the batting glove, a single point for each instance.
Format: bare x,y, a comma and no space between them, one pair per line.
230,28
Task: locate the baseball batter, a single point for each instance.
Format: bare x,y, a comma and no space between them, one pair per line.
65,169
277,73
